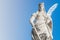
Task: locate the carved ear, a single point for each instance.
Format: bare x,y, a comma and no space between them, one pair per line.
51,9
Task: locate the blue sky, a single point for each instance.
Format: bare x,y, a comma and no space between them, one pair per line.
15,15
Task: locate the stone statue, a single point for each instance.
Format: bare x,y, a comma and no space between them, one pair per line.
42,24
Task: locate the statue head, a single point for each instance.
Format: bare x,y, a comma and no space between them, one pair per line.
41,6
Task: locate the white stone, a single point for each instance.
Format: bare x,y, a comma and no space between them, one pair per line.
42,23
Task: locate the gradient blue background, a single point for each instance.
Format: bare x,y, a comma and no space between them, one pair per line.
15,15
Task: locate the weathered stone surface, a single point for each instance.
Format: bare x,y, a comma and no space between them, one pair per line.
41,24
